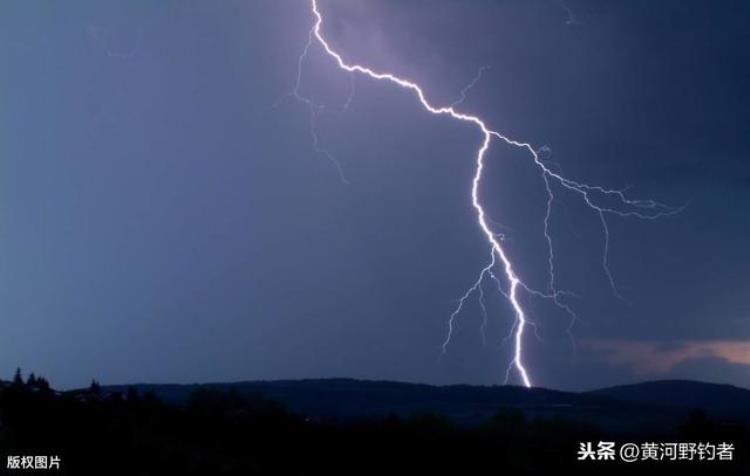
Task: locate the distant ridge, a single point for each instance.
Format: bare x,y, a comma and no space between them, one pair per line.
663,404
719,399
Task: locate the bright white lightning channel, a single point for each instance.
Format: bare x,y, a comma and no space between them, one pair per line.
592,195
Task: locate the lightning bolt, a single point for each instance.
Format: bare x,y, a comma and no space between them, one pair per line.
594,196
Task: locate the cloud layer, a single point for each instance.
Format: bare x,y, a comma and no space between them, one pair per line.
651,358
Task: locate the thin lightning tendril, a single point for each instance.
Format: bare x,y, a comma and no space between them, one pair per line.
485,317
469,87
315,111
592,195
476,286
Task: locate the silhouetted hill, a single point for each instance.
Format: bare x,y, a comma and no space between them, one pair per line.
649,405
718,399
347,427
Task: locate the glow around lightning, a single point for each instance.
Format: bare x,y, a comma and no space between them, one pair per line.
593,196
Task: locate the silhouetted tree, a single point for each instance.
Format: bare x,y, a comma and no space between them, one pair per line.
42,384
95,388
31,381
18,378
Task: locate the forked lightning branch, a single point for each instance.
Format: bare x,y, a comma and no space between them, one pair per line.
601,201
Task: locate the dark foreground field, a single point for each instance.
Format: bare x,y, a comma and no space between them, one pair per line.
353,427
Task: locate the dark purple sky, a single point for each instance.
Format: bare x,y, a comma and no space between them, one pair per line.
164,216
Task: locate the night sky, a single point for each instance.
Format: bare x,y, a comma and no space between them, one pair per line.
164,216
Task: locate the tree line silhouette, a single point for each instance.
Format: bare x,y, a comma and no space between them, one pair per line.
228,432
